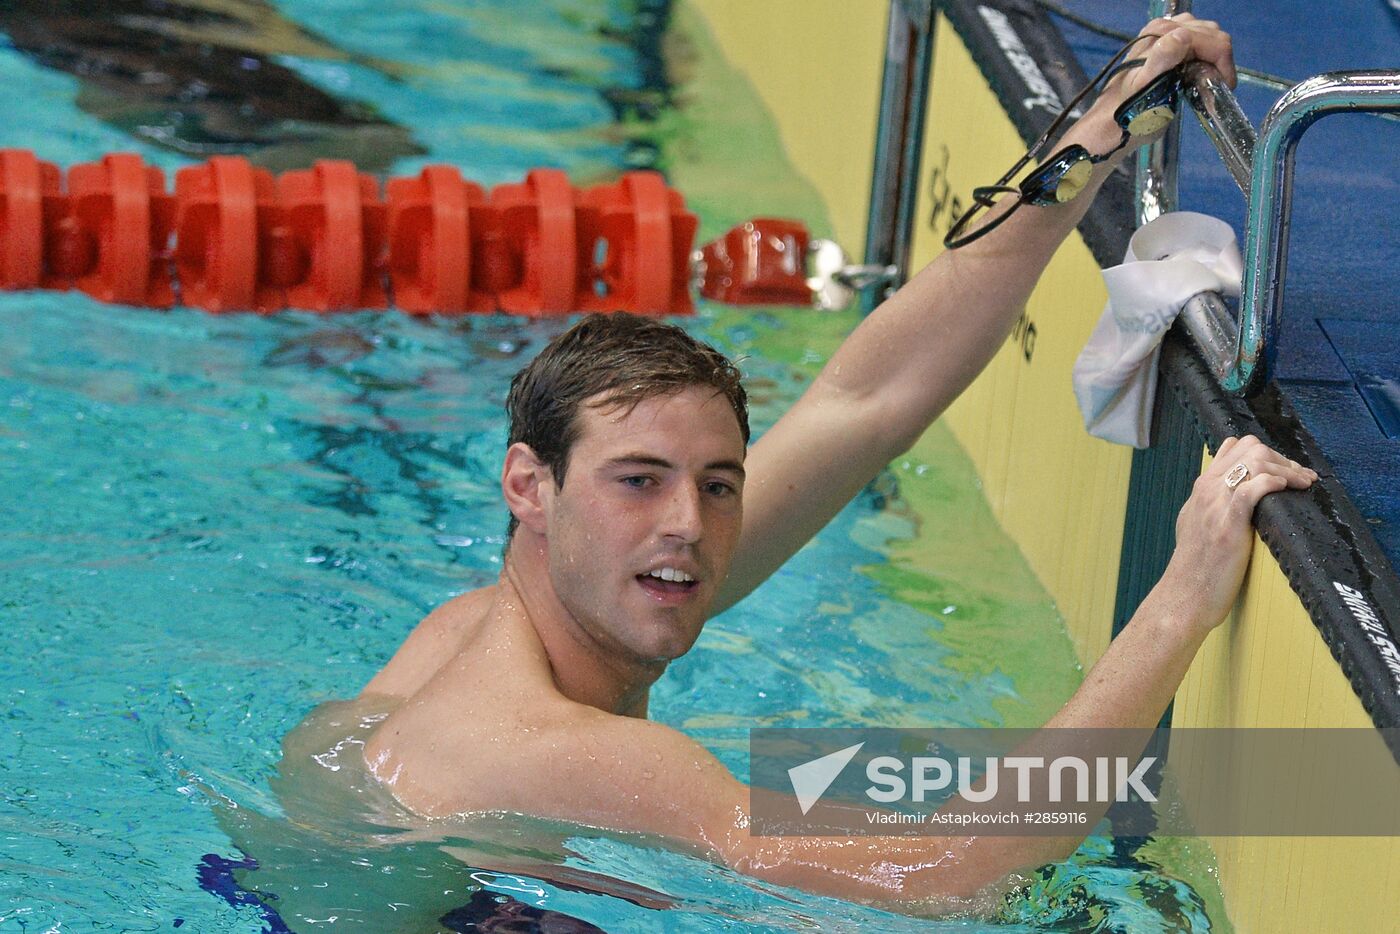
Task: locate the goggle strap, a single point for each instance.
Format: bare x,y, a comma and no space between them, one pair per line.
1129,65
981,197
1112,67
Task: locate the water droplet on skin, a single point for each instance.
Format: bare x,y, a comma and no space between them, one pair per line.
648,774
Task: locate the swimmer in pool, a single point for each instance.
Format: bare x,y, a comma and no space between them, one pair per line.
638,512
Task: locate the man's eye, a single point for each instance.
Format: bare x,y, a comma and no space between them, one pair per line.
636,483
719,488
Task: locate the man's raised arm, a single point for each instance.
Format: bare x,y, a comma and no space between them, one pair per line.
914,354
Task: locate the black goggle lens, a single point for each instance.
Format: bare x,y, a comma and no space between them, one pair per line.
1060,179
1151,108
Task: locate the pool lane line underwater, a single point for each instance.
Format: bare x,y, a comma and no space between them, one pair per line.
215,875
213,86
1323,544
216,83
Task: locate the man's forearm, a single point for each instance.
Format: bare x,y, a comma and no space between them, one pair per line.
1131,685
1123,696
910,358
893,376
915,353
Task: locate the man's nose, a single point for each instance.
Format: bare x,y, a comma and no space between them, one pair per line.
683,518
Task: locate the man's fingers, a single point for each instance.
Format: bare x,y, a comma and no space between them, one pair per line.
1183,42
1165,24
1232,451
1258,458
1271,461
1217,48
1250,492
1223,451
1210,43
1182,37
1296,474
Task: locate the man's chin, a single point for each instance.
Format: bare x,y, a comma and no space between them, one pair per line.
670,646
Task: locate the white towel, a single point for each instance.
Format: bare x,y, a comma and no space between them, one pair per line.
1168,261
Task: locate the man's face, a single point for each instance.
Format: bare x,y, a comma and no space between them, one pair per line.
649,494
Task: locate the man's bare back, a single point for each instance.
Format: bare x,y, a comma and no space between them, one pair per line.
439,636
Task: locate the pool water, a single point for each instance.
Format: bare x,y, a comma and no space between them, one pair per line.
214,526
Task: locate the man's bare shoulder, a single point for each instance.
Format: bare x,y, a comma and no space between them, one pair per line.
459,744
431,643
536,752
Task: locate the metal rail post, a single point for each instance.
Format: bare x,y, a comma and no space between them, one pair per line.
894,184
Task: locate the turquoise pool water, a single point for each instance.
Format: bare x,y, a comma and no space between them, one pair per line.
215,525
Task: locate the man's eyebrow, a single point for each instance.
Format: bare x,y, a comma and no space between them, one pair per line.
649,460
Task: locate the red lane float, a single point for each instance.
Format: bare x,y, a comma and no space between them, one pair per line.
537,226
337,221
638,234
121,204
760,262
224,208
321,239
438,223
24,184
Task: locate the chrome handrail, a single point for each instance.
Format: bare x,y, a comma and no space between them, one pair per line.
1262,165
1206,317
1233,350
1225,124
1271,196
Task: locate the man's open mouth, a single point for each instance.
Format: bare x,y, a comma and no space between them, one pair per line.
667,581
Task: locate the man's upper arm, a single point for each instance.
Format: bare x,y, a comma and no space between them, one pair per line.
800,474
637,776
640,776
622,773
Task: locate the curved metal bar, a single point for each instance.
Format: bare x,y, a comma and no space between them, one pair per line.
1225,124
1271,197
1211,324
1206,317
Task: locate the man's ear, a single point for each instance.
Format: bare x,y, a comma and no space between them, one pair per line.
527,484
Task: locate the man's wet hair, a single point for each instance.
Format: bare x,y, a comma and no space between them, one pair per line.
621,358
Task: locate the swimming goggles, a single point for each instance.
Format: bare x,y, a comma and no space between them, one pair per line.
1063,176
